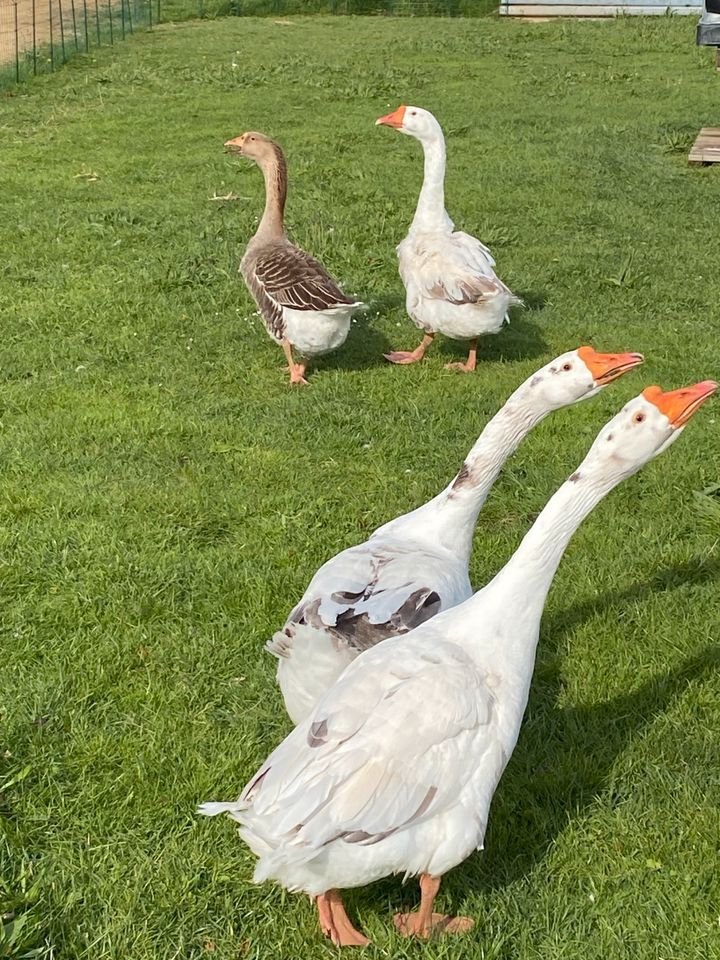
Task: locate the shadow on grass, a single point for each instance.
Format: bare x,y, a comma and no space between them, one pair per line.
533,301
694,571
365,344
565,755
562,765
521,339
384,303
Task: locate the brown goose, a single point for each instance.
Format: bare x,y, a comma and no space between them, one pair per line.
300,303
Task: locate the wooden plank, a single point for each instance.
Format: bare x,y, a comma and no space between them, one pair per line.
661,5
706,148
512,8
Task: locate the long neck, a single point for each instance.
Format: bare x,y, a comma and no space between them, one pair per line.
430,212
274,170
456,509
513,602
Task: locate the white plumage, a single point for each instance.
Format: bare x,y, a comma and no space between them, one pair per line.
417,565
395,769
449,276
365,768
451,286
381,588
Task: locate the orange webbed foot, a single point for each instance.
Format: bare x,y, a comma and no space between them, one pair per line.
410,925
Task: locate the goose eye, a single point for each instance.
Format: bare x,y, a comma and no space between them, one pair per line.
639,417
413,113
567,366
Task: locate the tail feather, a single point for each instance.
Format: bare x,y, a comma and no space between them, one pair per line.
273,864
213,809
281,644
275,855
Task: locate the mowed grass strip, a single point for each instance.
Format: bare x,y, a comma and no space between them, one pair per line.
166,497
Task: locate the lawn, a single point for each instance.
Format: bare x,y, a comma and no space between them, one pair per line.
166,497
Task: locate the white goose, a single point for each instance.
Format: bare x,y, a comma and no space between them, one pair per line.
417,565
449,276
395,769
300,303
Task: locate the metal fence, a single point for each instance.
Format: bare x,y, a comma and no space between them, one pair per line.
38,36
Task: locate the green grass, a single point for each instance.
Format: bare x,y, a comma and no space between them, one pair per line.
183,9
165,497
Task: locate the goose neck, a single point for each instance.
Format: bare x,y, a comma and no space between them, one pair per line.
535,562
511,605
460,503
274,171
430,212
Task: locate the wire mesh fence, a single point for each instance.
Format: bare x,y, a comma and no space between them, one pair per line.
417,8
38,36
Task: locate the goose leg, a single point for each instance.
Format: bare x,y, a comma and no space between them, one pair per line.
335,923
423,923
469,364
297,374
411,356
297,370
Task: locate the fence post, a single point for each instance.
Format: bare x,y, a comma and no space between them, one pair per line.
150,13
109,2
157,15
52,45
97,23
17,47
130,23
72,7
62,31
122,17
87,37
34,41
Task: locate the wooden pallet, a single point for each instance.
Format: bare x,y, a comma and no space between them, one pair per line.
706,148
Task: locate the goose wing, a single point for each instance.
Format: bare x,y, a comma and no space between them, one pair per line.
385,748
281,276
373,591
456,268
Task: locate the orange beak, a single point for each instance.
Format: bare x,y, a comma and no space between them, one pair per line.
394,119
679,405
235,144
606,367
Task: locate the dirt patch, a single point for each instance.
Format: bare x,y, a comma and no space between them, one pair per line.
48,17
59,22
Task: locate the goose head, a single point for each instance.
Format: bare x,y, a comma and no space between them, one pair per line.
413,121
255,146
577,375
644,428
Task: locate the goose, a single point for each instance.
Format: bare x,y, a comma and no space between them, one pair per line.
300,303
395,769
450,282
417,565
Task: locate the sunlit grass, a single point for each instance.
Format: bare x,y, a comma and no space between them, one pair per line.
165,496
